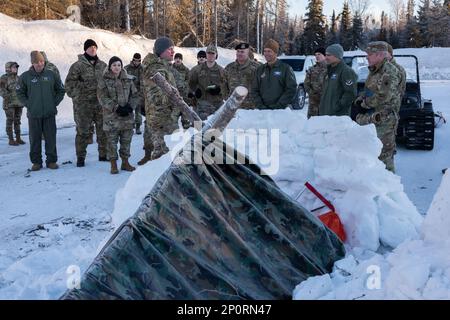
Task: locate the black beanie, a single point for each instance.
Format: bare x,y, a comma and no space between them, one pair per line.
112,60
89,43
201,54
161,45
137,56
320,50
178,55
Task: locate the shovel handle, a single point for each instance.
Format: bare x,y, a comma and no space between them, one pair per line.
320,196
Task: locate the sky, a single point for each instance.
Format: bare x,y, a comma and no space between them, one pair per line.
299,7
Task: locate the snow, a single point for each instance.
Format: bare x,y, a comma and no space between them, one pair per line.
55,222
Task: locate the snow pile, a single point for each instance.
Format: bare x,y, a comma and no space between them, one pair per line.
417,269
337,156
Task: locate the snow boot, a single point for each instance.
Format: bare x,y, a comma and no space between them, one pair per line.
114,169
146,158
126,166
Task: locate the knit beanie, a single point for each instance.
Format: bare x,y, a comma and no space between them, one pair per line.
201,54
137,56
161,45
112,60
36,56
89,43
273,45
336,50
178,55
320,50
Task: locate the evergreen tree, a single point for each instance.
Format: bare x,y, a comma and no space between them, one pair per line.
424,23
345,29
314,33
333,32
382,36
357,33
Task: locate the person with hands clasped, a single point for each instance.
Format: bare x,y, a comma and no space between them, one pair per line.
118,97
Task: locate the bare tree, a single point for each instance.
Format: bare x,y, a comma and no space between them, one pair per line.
396,8
359,6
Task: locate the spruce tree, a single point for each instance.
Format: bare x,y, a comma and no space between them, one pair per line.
314,33
345,30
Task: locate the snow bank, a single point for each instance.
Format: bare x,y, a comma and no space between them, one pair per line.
337,156
416,269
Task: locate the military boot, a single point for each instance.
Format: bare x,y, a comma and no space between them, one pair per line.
12,142
18,139
80,162
126,166
114,169
138,129
36,167
146,158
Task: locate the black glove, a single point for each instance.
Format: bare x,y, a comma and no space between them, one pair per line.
142,110
213,90
122,111
191,95
128,108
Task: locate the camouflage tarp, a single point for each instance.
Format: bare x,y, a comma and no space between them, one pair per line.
212,232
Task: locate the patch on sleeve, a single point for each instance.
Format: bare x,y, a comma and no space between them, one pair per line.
348,82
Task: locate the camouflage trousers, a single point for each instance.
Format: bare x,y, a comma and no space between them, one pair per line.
205,108
386,131
122,136
313,107
84,116
138,117
13,116
148,143
160,124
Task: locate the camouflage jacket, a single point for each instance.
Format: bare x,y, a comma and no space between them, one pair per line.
8,83
201,77
381,88
240,75
82,79
137,72
402,86
155,99
180,79
111,93
183,70
314,79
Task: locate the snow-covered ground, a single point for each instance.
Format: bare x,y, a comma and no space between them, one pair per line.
55,222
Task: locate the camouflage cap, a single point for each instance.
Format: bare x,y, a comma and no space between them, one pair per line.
11,64
377,46
211,48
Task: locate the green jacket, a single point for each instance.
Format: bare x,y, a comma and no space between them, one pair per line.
339,91
273,87
40,92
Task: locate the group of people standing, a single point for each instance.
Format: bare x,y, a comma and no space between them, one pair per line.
113,97
332,89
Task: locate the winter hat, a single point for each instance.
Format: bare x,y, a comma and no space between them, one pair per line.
137,56
320,50
377,46
178,56
336,50
390,49
89,43
161,45
242,46
201,54
112,60
272,45
36,56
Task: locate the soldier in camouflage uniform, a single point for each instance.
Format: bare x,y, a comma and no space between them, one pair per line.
379,100
135,69
314,81
160,114
241,73
181,74
81,85
402,87
207,81
118,97
11,103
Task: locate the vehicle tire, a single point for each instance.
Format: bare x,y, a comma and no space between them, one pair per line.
300,98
